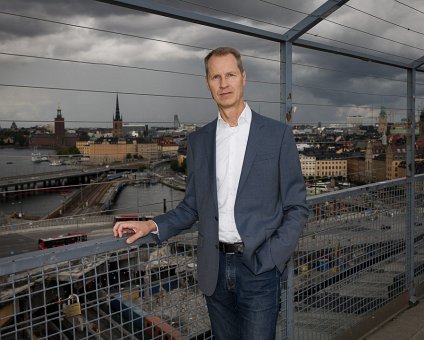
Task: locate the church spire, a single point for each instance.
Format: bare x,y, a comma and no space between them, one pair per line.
117,113
117,121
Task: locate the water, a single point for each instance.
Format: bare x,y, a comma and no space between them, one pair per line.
16,162
143,198
146,198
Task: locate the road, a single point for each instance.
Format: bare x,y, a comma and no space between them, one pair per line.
27,240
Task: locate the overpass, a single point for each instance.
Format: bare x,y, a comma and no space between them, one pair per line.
33,182
49,179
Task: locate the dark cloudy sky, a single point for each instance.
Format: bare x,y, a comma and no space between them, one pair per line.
163,73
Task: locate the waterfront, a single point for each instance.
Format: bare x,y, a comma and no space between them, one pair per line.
17,162
141,198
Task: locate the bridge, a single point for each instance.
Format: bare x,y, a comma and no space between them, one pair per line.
33,182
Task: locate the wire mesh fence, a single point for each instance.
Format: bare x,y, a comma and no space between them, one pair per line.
140,292
351,261
352,257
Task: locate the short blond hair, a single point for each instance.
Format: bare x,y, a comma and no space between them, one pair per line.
223,51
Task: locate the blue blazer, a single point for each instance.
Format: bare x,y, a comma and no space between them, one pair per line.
270,209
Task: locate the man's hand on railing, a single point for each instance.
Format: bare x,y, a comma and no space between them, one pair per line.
138,229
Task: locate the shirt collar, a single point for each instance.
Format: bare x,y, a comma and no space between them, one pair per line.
245,117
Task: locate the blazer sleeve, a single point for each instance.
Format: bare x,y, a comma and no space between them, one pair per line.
184,215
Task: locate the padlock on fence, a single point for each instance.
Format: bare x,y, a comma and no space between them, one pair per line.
73,306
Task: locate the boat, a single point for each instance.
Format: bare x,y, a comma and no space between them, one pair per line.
56,163
36,156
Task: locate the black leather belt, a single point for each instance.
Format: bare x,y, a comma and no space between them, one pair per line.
231,248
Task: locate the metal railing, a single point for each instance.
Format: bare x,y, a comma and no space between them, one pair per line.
353,257
350,266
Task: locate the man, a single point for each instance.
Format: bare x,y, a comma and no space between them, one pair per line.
246,189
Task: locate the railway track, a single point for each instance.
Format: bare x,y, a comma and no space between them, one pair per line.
91,198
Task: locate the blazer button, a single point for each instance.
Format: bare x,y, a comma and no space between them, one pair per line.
216,246
216,218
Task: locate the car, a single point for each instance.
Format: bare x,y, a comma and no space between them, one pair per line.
385,227
417,223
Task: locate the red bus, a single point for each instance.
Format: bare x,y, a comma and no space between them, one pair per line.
61,240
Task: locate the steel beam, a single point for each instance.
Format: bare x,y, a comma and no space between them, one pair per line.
313,19
417,63
410,185
286,81
174,13
348,53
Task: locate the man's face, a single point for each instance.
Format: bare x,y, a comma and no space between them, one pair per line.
226,82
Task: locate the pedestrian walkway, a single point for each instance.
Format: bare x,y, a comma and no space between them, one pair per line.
408,325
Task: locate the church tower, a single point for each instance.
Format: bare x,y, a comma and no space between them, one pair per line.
382,120
59,127
117,121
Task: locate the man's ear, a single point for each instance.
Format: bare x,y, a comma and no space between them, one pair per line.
244,77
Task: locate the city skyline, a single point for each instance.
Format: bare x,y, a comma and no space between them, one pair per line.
158,79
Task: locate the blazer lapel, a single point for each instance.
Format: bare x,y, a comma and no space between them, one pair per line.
210,152
253,143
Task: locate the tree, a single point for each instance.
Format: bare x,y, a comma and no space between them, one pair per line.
72,150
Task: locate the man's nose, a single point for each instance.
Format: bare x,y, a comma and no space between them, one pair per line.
224,82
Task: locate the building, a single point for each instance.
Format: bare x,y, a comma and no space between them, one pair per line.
167,146
395,155
149,151
375,162
59,138
382,121
331,167
356,168
308,165
105,152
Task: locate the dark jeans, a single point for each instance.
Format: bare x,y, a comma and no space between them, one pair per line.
244,305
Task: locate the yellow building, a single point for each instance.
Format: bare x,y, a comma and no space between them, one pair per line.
105,152
331,168
149,151
84,147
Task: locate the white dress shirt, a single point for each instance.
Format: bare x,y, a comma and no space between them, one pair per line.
231,145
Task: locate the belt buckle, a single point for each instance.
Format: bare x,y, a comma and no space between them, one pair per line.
228,252
235,248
